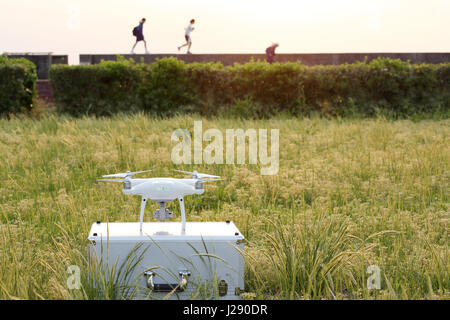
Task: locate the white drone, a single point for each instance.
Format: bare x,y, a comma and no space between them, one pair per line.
162,190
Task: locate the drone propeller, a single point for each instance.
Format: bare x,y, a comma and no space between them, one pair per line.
196,175
124,175
111,180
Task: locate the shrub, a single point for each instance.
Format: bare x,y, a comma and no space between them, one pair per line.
278,86
103,89
254,89
246,108
209,82
165,88
17,85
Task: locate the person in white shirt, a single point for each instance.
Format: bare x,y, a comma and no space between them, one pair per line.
187,36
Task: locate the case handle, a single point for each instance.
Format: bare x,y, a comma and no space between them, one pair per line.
167,287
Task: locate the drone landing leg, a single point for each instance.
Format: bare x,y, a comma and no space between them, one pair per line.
143,203
183,215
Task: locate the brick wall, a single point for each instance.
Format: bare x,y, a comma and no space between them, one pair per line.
307,59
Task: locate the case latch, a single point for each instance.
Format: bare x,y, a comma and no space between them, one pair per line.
149,279
185,274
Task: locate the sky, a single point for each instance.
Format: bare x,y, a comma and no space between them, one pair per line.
227,26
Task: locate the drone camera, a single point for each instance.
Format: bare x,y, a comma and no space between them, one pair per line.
162,213
162,216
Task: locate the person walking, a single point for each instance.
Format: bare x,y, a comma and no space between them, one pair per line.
270,52
187,36
138,32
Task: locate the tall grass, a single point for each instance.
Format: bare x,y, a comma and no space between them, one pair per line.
350,193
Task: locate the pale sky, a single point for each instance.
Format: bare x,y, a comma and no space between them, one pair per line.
227,26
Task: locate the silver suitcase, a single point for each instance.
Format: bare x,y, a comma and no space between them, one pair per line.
162,262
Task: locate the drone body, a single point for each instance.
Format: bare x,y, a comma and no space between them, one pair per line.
162,190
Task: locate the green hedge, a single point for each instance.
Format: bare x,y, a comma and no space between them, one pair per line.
17,85
103,89
254,89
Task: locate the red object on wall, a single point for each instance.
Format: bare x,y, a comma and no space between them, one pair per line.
44,90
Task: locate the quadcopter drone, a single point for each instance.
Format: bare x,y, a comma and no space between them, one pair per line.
162,190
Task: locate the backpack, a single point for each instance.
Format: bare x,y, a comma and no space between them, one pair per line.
135,31
270,52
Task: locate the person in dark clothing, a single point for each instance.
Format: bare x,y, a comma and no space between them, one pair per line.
140,35
270,53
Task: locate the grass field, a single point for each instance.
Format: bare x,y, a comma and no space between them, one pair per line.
349,194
